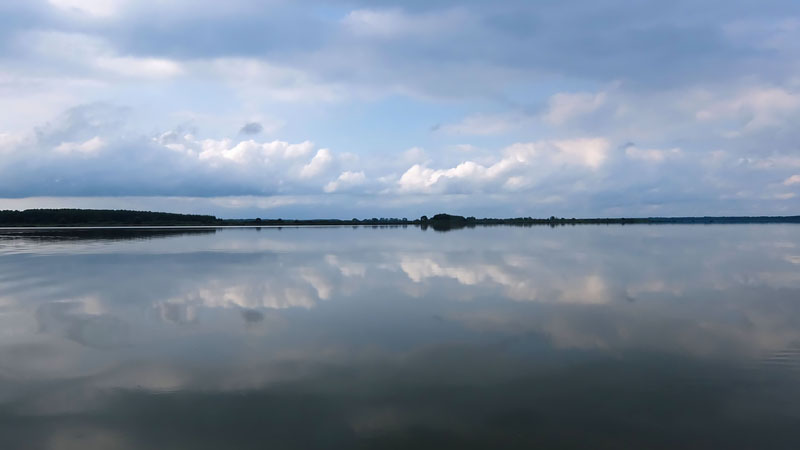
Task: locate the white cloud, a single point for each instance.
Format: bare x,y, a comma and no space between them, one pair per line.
651,154
521,164
414,155
564,107
318,164
8,142
88,147
380,23
140,67
792,180
589,152
346,180
756,108
388,23
419,178
244,152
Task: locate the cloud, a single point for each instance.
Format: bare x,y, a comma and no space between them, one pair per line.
318,164
755,108
92,151
86,151
140,67
392,23
88,147
523,165
256,78
82,52
714,128
96,8
651,155
8,142
346,180
563,107
251,128
380,23
442,47
481,125
792,180
589,152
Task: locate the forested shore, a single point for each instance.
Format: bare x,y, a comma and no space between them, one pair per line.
104,217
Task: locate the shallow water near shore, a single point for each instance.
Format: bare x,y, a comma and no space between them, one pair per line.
670,336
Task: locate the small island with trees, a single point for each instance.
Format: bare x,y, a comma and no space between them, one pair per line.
119,218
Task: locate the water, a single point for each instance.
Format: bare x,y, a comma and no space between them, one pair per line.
651,337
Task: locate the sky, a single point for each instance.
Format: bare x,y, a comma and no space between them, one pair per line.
382,108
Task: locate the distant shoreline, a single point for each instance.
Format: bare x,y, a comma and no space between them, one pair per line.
93,218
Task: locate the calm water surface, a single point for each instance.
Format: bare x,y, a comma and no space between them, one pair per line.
575,337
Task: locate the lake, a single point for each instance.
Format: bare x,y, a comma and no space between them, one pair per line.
668,336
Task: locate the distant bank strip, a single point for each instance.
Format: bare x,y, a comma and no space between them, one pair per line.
106,217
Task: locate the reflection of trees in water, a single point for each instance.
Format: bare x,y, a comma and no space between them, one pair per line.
99,234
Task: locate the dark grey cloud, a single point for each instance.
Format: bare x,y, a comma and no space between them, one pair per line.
647,43
251,128
252,316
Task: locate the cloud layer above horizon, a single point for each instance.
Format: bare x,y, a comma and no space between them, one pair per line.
357,109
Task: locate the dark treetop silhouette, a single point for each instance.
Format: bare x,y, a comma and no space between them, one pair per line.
102,217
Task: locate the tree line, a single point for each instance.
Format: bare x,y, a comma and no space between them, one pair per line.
119,217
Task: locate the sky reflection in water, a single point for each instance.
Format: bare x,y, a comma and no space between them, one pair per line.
613,337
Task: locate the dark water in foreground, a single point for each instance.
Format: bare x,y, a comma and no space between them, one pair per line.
576,337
